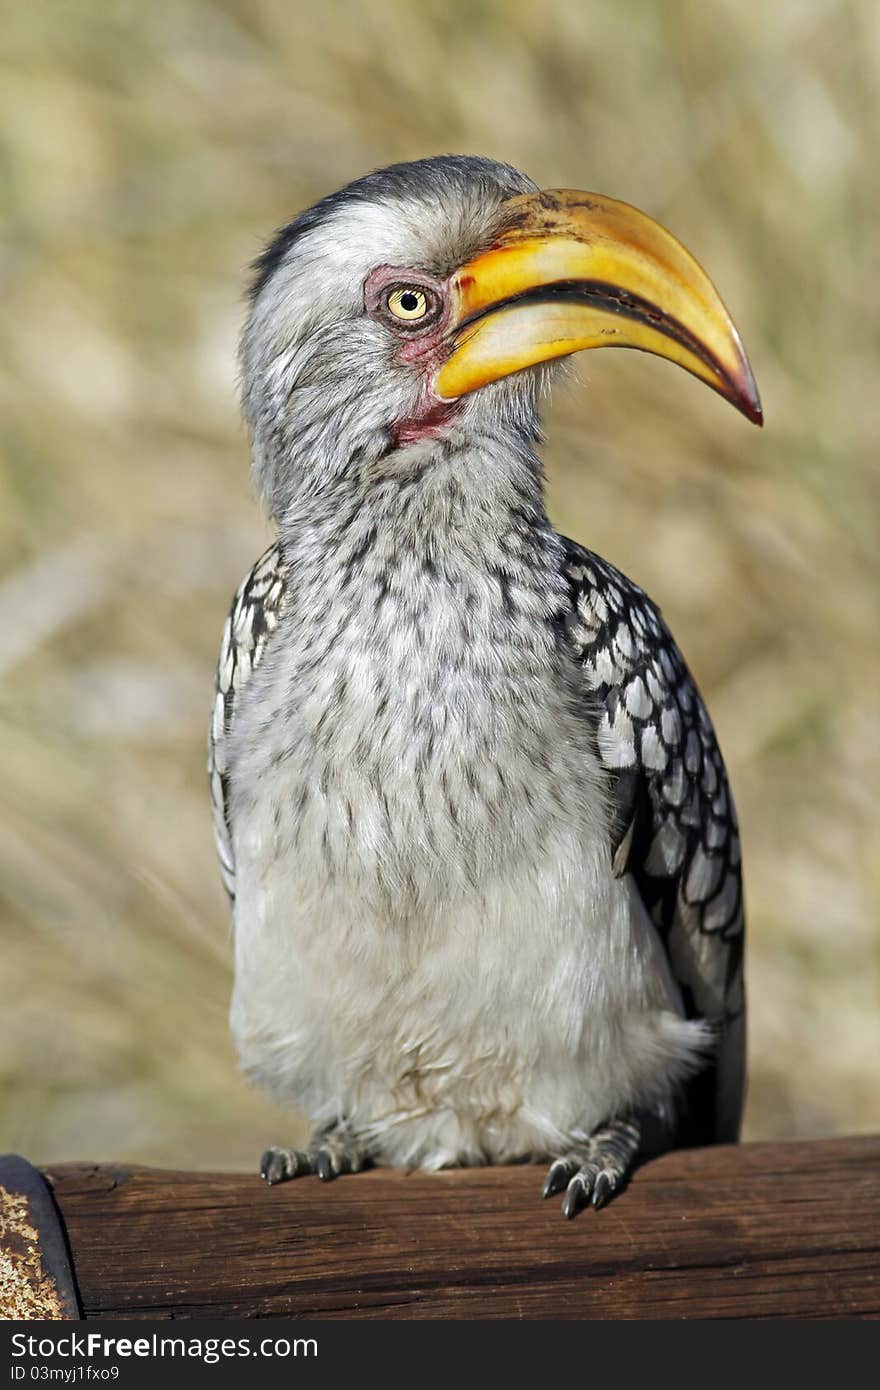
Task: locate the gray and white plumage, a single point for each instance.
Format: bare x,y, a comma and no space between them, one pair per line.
469,805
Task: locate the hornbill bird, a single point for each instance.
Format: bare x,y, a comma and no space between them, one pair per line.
470,808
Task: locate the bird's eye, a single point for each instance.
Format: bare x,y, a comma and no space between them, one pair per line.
408,303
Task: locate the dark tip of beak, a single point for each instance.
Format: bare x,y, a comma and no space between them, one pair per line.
744,395
751,408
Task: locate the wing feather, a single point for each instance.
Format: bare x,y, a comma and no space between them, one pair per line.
256,609
675,826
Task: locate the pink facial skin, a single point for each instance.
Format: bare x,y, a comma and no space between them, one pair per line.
422,344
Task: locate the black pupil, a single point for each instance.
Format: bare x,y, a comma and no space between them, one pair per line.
409,301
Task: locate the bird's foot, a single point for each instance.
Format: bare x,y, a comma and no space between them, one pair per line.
594,1171
331,1152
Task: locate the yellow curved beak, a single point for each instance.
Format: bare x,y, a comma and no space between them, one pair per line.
577,270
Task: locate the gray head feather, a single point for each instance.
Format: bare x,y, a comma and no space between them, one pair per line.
321,383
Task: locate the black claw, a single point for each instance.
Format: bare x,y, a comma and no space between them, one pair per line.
574,1198
271,1170
324,1167
555,1180
603,1190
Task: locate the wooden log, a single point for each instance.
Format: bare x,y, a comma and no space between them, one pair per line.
757,1230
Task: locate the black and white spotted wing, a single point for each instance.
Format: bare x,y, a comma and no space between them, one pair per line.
256,608
676,829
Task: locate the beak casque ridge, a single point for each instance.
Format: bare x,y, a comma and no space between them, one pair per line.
574,271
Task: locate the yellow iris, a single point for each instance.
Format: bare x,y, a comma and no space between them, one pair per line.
408,303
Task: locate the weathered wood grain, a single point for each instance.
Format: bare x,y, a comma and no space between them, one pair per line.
759,1230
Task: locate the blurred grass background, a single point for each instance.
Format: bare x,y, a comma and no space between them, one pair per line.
145,153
